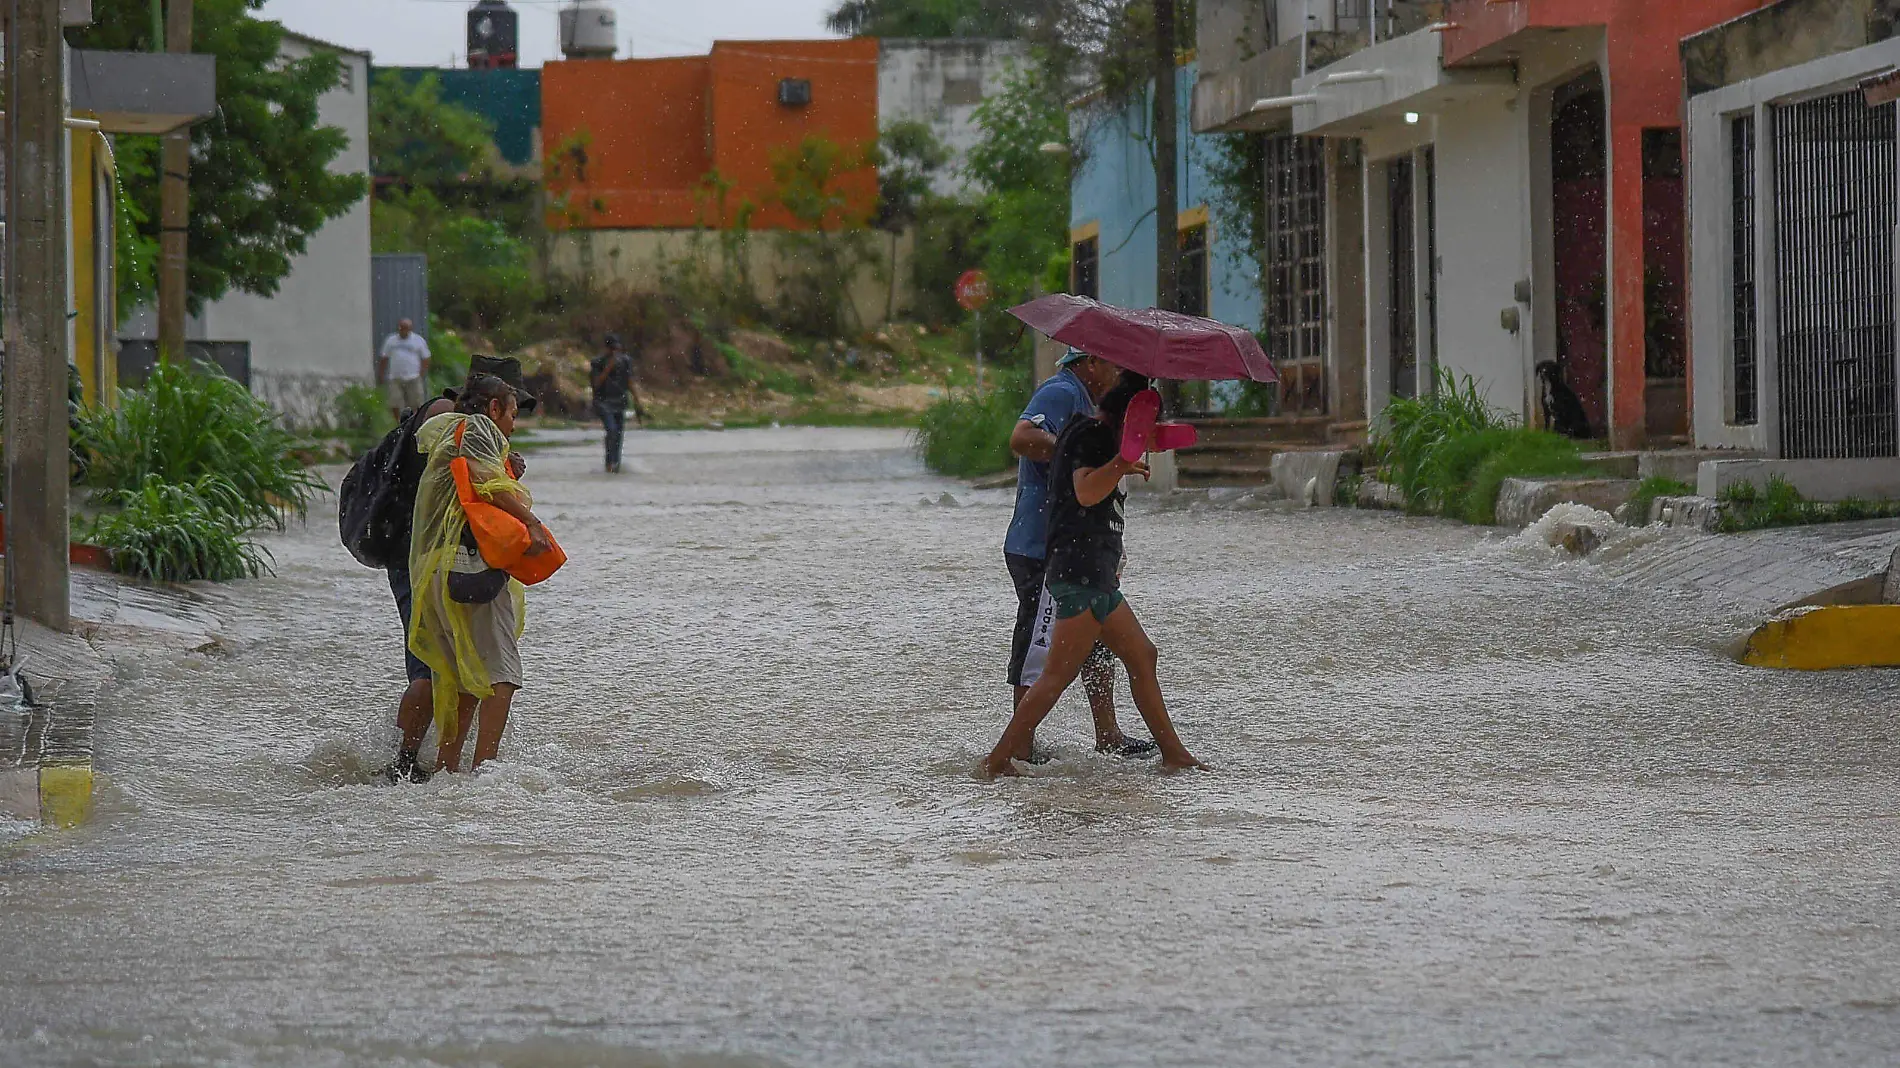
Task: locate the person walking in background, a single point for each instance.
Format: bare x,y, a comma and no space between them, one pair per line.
1072,391
404,366
612,377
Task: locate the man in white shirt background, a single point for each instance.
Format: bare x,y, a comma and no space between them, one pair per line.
405,368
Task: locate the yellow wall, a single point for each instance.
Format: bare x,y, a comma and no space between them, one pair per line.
94,299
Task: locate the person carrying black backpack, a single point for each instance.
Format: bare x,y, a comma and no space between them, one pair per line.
377,504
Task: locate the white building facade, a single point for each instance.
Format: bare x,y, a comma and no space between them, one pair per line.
940,82
307,342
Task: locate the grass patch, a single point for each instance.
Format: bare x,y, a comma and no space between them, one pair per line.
1779,504
765,375
967,434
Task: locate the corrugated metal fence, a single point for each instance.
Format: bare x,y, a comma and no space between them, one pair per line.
399,289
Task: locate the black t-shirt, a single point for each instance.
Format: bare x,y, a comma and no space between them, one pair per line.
613,388
1085,544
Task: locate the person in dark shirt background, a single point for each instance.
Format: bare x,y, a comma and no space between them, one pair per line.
612,376
1084,556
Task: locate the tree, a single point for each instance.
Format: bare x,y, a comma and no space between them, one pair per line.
909,157
416,138
933,18
260,178
1025,201
826,255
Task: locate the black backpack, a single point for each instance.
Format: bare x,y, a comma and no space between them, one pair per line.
378,496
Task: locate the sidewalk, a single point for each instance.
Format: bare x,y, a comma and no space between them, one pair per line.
46,752
1765,569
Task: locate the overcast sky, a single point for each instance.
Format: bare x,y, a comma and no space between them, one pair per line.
433,32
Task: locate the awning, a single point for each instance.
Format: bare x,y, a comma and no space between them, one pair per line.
144,92
1377,86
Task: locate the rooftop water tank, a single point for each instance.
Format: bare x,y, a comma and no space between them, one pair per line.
588,30
493,30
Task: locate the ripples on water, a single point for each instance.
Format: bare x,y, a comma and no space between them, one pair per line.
1476,805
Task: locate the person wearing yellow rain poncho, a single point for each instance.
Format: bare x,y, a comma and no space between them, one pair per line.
472,649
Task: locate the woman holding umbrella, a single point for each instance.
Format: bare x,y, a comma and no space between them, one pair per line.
1085,551
1085,498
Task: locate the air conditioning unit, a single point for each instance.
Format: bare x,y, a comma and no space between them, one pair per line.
794,92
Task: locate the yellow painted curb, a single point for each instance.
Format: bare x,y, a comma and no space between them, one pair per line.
1831,636
65,794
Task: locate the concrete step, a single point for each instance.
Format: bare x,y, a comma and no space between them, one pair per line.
1275,429
1225,475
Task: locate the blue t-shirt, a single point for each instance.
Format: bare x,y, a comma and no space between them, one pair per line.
1050,408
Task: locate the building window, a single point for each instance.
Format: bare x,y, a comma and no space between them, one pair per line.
1295,267
1190,289
1742,249
1085,268
794,92
346,76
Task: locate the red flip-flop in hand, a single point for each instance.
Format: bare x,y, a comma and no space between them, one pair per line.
1141,434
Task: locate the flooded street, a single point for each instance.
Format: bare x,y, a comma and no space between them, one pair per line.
1473,806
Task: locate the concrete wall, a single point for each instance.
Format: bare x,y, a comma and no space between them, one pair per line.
1782,35
307,339
640,259
941,82
1711,263
1114,191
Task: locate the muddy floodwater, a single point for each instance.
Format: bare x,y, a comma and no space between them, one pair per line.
1473,805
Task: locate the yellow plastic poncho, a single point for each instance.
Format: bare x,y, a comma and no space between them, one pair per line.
440,632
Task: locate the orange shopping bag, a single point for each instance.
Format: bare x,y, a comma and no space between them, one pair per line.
502,539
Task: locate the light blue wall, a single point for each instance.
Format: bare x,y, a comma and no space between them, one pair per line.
1115,188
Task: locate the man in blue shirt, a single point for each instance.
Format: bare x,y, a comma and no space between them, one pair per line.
1080,380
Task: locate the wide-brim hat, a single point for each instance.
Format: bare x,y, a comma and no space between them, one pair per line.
508,369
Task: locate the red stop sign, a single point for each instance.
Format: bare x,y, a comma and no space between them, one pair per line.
973,290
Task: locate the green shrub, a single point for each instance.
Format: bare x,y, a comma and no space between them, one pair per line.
172,532
1518,453
967,434
448,357
184,425
1637,514
1411,442
1450,452
362,410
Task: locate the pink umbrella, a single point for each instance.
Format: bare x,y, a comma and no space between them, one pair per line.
1156,343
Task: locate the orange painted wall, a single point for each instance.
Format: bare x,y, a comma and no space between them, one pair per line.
750,127
1645,89
658,127
646,121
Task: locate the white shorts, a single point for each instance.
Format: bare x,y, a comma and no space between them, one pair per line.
1039,638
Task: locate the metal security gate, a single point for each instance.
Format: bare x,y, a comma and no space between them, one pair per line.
1402,274
399,289
1834,258
1296,270
1743,351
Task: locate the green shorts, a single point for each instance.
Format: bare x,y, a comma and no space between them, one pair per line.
1073,600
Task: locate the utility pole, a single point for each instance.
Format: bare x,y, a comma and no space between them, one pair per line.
1167,193
37,454
174,205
